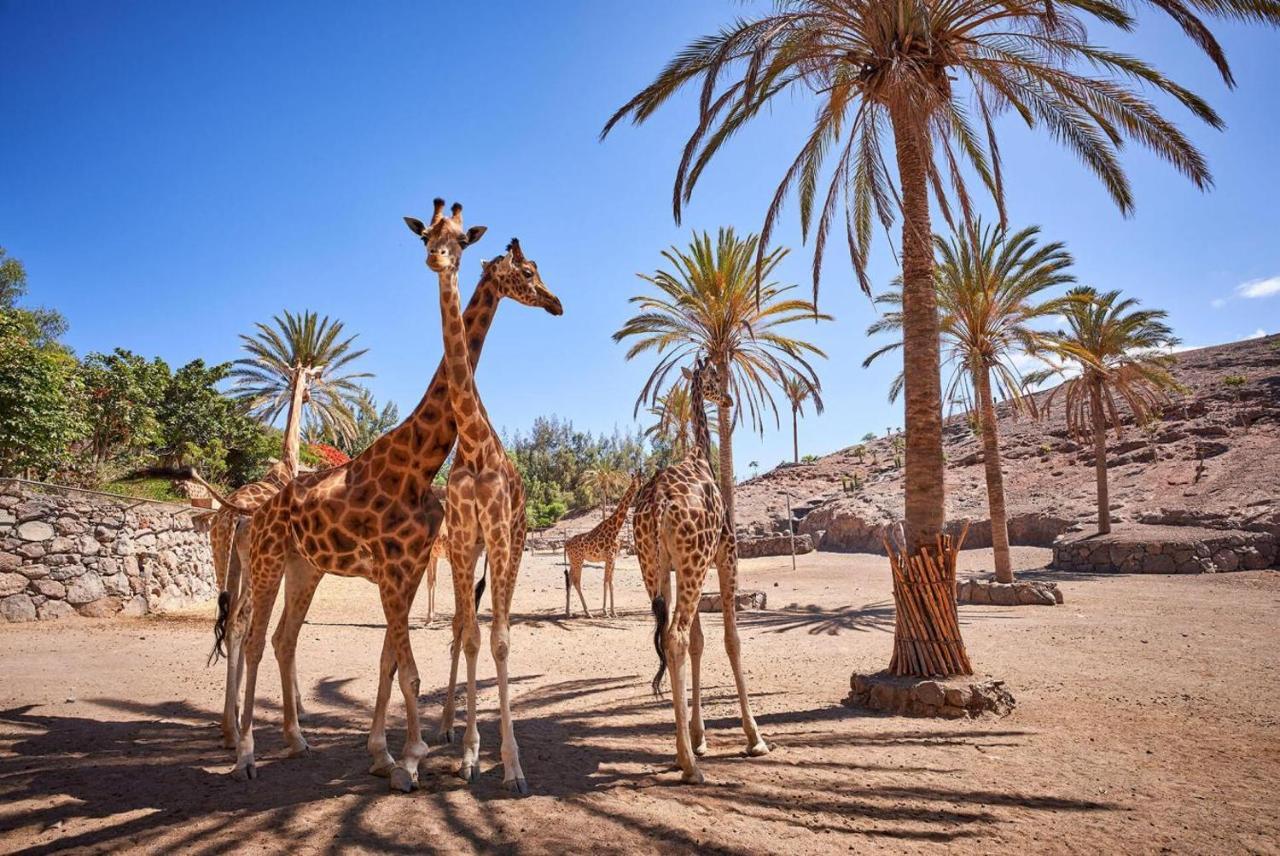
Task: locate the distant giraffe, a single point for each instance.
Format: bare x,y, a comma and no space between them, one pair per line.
680,526
439,550
373,517
485,501
598,545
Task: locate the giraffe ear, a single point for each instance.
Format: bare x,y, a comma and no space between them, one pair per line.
474,234
416,226
688,375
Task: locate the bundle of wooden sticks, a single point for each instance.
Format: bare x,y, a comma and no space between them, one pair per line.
926,639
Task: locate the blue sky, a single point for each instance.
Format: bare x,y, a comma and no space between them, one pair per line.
171,173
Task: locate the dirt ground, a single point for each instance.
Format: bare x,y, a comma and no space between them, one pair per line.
1146,722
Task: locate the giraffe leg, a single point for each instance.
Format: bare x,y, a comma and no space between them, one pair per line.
469,628
462,592
236,584
575,573
608,588
697,730
383,763
727,567
265,584
504,567
397,600
677,647
301,579
432,564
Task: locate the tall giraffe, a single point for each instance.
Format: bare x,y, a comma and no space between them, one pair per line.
485,500
598,545
373,517
680,526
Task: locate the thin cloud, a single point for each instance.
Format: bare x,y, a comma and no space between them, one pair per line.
1256,288
1257,334
1218,302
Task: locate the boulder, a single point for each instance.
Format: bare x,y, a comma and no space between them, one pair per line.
35,530
18,607
86,588
12,584
52,609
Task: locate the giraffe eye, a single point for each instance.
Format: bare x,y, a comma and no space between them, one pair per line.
528,274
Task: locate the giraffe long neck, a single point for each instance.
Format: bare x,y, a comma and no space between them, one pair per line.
614,522
465,401
427,435
701,432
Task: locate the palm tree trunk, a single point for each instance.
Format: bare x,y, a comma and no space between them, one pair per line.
293,423
995,477
1100,458
725,416
922,391
795,435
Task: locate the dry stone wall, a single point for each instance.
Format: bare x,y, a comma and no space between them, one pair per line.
1167,550
69,552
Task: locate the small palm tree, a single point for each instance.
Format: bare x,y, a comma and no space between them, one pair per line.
798,390
674,412
988,294
708,304
605,481
1121,355
298,366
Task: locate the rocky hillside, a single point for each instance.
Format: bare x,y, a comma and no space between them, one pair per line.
1213,459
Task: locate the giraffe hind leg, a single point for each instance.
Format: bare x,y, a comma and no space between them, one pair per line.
727,568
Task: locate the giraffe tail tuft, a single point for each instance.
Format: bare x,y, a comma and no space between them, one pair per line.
660,629
220,628
484,578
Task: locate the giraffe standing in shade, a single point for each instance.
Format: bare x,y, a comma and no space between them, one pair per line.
680,526
373,517
598,545
485,502
439,550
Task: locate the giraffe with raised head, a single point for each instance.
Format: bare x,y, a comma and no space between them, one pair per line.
485,501
680,527
598,545
373,517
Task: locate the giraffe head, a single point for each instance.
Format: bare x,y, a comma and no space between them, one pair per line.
445,239
705,380
517,277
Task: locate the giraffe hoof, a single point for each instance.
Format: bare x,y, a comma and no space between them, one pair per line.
761,748
444,738
382,768
692,777
301,750
700,749
230,741
517,785
245,773
401,781
469,773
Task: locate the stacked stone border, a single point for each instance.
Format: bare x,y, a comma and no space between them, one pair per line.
65,552
1140,549
948,698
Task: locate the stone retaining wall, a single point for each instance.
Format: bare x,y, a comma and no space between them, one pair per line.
68,552
750,547
1167,550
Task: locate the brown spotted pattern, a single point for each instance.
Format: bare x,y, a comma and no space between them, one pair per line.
598,545
680,528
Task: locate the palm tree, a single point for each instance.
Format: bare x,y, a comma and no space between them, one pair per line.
673,409
370,423
709,304
798,390
988,294
605,481
298,365
931,77
1120,352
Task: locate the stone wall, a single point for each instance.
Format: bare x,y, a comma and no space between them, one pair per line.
1167,550
66,552
754,547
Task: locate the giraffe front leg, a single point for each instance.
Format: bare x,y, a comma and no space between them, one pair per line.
506,565
697,730
677,647
608,607
396,603
462,594
383,763
432,565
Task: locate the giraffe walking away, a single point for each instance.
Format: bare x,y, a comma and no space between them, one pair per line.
680,527
374,517
485,502
598,545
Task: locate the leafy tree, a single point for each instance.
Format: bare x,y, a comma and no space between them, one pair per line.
123,392
298,366
931,78
709,304
206,429
46,326
369,423
798,390
40,399
988,295
1121,355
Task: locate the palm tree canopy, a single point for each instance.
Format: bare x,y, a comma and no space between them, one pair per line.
798,390
947,68
1115,347
302,343
707,303
989,293
674,412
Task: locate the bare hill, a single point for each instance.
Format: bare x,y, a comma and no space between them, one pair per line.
1213,459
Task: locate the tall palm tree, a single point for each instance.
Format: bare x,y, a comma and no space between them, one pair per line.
798,390
988,295
1121,355
300,365
709,304
929,77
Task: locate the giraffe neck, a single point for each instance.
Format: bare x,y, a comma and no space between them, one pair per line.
463,398
701,432
427,435
614,522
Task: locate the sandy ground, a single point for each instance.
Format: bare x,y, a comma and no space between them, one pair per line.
1147,722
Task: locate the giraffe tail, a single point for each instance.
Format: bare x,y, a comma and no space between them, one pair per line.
220,628
484,578
565,552
660,629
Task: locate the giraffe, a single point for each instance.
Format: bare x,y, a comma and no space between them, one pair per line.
373,517
598,545
439,550
233,586
680,526
485,500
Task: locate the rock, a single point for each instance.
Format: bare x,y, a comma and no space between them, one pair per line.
710,601
89,546
12,584
50,588
61,544
930,693
34,550
52,609
10,561
103,607
135,606
18,607
68,572
35,530
1226,560
86,588
956,697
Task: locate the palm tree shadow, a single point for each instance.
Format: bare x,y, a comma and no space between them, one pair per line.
821,621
